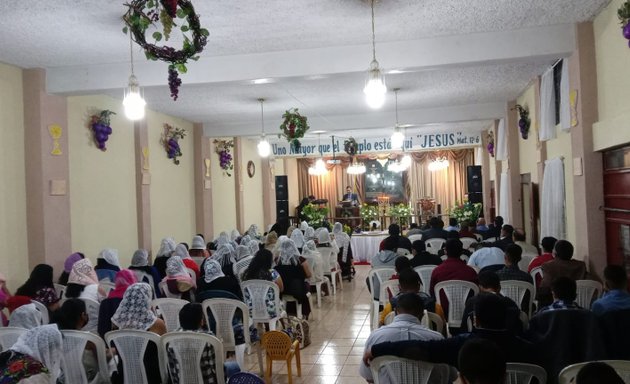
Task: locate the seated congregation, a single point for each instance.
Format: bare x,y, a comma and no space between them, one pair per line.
190,315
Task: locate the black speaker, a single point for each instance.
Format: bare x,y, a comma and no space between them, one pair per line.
474,179
282,188
282,209
475,197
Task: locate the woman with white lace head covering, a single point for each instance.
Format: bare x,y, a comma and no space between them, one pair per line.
107,264
198,247
167,247
298,238
83,282
134,311
242,251
276,249
252,231
314,258
294,271
27,317
234,235
303,226
223,238
290,230
288,253
140,262
182,252
254,246
342,239
324,241
309,233
245,240
34,358
213,279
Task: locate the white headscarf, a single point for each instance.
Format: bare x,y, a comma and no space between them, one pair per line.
253,231
254,247
110,255
245,240
224,254
309,233
167,247
212,271
223,238
27,317
242,251
175,267
303,226
140,258
83,273
276,248
323,237
298,238
198,243
289,254
134,311
314,258
342,239
181,251
235,234
44,344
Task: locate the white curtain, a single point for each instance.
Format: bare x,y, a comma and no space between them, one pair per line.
504,197
547,107
552,208
479,155
501,151
565,105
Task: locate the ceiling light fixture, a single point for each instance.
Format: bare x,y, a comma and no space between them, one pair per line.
438,164
398,138
133,102
375,88
264,149
356,168
319,168
395,166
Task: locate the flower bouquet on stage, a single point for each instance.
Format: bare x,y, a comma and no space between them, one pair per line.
466,211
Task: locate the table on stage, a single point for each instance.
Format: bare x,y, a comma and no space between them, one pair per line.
365,245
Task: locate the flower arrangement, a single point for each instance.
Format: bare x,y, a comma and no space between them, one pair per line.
143,14
293,127
524,121
624,16
99,124
490,146
315,214
401,212
368,212
347,229
223,148
170,141
350,146
466,211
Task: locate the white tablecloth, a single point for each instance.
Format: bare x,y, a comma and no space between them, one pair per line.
365,245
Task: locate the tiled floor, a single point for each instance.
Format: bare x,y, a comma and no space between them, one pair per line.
338,333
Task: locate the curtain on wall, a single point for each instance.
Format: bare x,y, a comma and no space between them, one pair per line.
504,197
547,107
502,151
565,105
552,209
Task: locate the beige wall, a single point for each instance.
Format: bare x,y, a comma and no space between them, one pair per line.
14,257
613,82
252,187
102,183
527,147
290,169
223,195
172,186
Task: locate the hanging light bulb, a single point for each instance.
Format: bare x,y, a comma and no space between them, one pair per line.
375,88
264,149
320,166
406,161
438,164
356,168
133,102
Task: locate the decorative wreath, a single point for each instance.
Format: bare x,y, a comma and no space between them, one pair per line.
293,127
350,146
100,128
490,146
524,122
170,141
145,13
624,17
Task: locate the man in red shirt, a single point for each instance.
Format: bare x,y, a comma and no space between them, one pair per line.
453,268
547,244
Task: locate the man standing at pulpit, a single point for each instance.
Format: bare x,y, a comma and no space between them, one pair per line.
353,198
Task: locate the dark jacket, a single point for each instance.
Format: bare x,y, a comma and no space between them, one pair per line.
434,233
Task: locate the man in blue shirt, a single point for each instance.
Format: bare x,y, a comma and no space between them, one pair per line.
616,296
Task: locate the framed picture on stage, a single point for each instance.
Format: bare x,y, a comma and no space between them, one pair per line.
381,182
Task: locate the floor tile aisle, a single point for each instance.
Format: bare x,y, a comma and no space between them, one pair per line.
338,333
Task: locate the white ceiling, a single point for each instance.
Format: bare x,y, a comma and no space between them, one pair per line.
462,60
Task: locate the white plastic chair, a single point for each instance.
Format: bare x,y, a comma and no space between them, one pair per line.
433,321
526,258
413,238
399,370
425,272
568,374
192,273
9,335
317,284
240,266
223,311
106,286
330,262
60,289
131,346
169,309
187,348
516,290
255,294
536,274
142,276
434,245
521,373
587,292
389,318
479,237
381,274
72,357
468,242
44,311
166,293
291,299
389,287
404,252
92,309
456,292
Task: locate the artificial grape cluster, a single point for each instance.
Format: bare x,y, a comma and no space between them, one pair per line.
522,126
172,150
101,134
225,160
491,149
174,82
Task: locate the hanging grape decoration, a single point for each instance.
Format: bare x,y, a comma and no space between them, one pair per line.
143,14
100,127
170,141
524,121
490,146
223,148
624,16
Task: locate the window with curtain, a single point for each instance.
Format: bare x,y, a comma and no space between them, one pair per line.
547,106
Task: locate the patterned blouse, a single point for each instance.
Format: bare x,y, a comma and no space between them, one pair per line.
19,366
207,364
46,296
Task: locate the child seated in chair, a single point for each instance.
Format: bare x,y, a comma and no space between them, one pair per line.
191,319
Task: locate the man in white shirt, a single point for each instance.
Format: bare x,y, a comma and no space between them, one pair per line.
406,326
486,256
